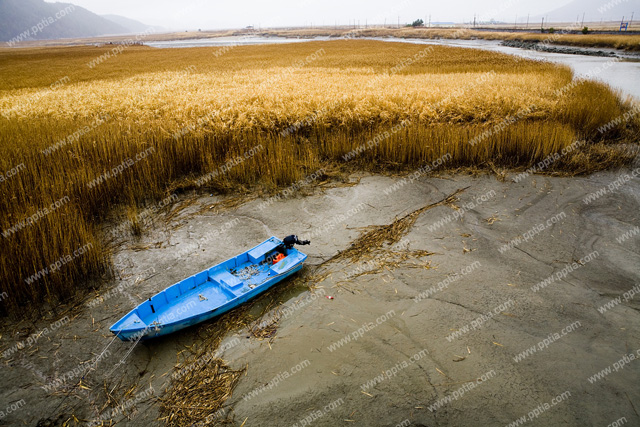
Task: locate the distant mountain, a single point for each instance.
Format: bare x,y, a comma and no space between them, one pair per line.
22,20
595,10
130,24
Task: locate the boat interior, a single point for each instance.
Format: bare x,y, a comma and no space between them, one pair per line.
214,287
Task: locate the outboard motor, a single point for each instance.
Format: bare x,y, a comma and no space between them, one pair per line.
291,240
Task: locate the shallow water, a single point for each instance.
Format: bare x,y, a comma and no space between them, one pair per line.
225,41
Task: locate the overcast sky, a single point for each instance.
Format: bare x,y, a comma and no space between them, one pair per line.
213,14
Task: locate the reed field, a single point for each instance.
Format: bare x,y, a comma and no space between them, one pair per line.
82,139
614,41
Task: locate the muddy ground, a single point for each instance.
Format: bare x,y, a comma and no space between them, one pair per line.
381,352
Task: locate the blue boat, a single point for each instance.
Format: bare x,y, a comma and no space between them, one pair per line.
212,292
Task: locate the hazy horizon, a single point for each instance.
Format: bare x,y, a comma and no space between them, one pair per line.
200,14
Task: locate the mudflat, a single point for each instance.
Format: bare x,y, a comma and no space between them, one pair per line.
506,301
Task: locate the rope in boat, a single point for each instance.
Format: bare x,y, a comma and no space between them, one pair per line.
248,272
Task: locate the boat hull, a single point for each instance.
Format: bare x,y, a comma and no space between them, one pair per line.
210,293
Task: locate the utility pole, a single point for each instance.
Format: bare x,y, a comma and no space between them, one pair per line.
542,25
429,20
582,25
474,20
631,20
398,21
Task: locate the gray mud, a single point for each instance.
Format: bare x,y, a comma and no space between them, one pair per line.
401,357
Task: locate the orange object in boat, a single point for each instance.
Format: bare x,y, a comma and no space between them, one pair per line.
278,258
